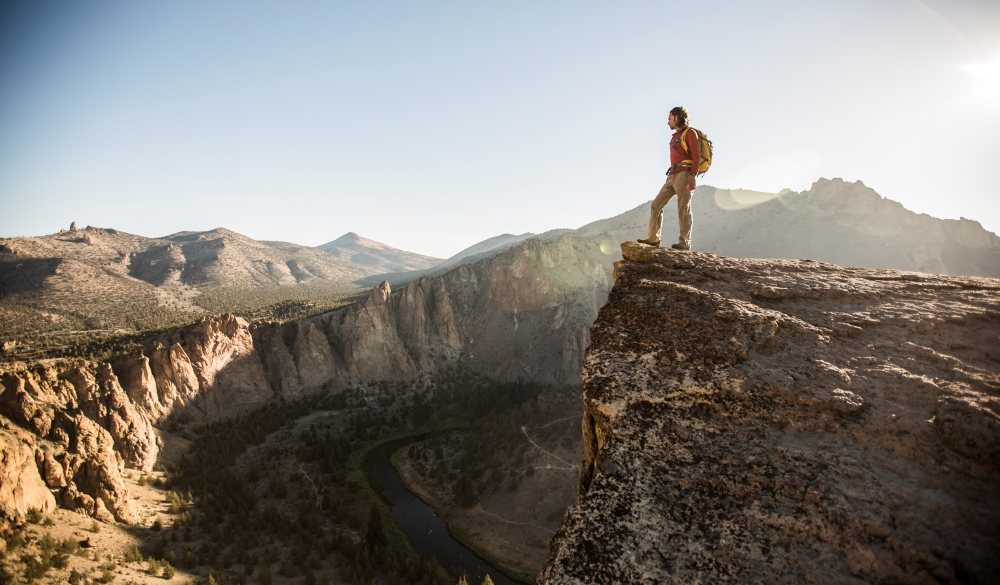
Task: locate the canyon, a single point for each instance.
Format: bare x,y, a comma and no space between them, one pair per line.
522,314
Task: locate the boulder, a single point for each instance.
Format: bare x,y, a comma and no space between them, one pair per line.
21,485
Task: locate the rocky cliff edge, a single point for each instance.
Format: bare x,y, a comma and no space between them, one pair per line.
772,421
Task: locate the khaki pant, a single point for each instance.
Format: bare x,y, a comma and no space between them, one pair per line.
676,185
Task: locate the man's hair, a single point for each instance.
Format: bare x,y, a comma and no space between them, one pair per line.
681,114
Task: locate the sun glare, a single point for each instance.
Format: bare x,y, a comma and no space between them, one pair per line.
986,78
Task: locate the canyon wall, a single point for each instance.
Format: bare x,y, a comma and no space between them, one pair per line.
70,428
782,421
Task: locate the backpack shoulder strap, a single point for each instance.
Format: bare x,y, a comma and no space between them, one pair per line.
684,143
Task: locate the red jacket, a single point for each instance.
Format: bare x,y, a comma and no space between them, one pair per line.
678,155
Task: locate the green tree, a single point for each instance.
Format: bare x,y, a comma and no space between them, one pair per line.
264,576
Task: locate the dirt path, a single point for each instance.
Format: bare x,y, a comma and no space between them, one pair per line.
480,507
553,455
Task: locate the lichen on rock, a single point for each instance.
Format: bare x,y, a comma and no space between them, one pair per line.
778,421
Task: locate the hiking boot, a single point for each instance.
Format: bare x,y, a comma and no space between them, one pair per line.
684,247
649,242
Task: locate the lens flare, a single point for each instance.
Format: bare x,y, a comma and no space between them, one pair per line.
795,169
733,199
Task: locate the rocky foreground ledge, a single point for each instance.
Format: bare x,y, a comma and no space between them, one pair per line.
771,421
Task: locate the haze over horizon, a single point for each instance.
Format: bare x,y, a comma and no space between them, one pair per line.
432,127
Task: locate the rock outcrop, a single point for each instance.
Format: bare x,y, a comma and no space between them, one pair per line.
778,421
21,486
91,469
82,430
88,421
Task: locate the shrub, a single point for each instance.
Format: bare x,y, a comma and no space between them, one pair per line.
34,515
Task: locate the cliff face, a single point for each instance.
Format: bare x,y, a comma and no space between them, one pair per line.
787,421
524,313
80,429
84,422
75,425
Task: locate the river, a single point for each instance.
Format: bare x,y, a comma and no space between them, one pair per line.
423,528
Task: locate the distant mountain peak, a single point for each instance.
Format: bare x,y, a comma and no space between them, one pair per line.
351,239
361,250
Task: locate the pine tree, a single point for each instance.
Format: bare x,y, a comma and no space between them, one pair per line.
464,492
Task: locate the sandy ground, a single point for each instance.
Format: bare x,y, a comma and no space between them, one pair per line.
103,545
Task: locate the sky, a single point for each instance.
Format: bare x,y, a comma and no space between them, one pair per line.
430,126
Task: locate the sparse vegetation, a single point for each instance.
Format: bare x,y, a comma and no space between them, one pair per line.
124,314
279,303
34,515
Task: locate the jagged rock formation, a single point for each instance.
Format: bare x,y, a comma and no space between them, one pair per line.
524,313
87,421
82,429
178,371
771,421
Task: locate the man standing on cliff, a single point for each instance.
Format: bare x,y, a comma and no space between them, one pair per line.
684,165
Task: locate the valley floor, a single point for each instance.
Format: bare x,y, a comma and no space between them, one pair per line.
510,527
280,495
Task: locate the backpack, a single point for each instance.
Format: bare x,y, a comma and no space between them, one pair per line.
706,150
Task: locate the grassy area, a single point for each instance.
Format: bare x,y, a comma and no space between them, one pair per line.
278,303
